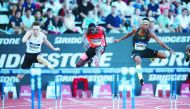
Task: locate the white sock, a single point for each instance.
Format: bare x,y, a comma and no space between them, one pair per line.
139,72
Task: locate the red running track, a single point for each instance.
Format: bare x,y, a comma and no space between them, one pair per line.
99,103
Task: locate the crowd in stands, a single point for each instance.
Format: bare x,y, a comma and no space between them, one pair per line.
73,16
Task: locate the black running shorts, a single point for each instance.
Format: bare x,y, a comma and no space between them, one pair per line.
147,53
29,59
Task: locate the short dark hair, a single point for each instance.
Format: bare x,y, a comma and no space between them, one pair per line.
91,25
18,10
145,19
36,23
28,9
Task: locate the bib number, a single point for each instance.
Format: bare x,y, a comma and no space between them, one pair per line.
140,46
34,47
96,41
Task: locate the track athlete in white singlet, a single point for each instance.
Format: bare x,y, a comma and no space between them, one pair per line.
34,39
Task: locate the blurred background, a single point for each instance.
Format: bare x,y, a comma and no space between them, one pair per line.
64,22
73,16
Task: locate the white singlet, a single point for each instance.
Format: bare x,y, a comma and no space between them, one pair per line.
34,43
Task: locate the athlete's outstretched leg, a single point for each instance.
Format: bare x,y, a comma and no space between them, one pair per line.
44,62
137,59
82,60
27,63
161,55
97,57
80,63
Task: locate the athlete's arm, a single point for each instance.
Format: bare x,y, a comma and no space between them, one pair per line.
187,53
188,50
126,36
84,38
154,36
46,41
26,36
104,33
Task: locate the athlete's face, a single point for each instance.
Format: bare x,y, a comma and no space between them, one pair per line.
145,26
36,30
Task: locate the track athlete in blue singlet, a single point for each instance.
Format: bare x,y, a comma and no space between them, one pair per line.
141,37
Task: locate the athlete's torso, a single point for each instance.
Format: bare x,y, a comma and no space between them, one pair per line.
34,43
97,39
140,42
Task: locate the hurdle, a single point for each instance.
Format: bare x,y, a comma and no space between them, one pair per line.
3,97
128,72
114,71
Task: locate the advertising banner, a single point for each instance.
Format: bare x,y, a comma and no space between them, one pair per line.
116,55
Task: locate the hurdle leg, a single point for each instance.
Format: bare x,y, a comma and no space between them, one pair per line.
133,90
56,103
39,85
32,91
60,89
175,90
118,96
3,96
113,101
124,98
113,91
171,95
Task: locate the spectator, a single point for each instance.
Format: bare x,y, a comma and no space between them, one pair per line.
154,7
15,24
28,19
149,15
171,20
113,21
55,6
121,7
135,19
164,5
69,23
139,4
12,3
72,4
62,11
183,20
89,19
154,27
20,6
38,17
130,10
105,9
29,4
13,10
52,24
164,22
3,6
84,8
58,24
188,6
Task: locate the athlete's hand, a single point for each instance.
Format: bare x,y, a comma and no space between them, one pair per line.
116,40
57,49
172,52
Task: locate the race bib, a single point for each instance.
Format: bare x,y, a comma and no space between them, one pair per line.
96,41
140,46
34,47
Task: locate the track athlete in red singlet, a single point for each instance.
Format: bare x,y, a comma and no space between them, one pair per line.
34,39
141,37
96,39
